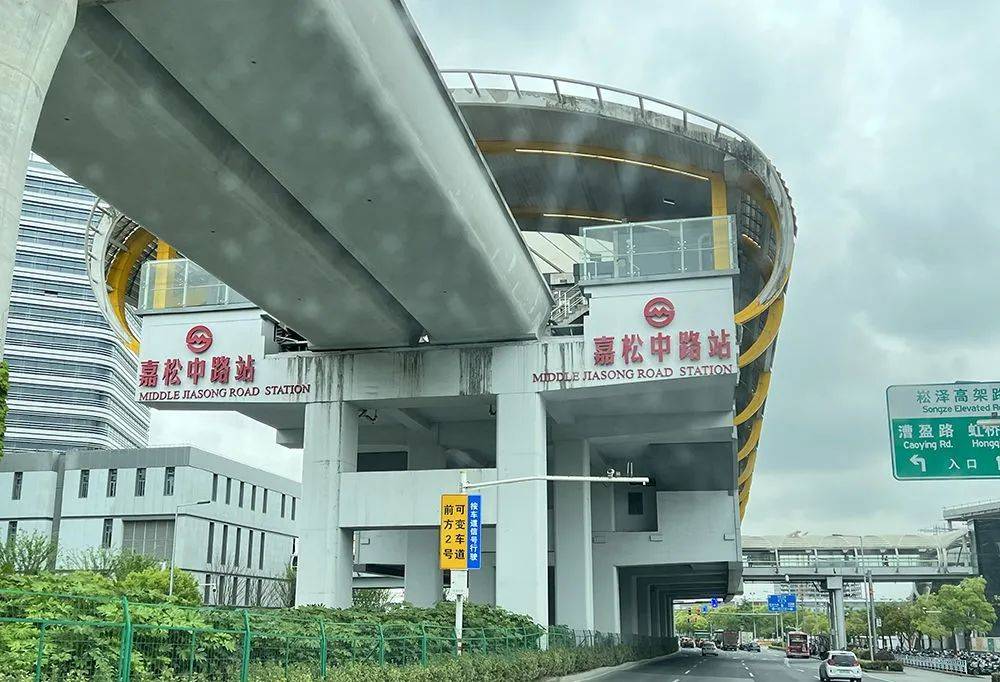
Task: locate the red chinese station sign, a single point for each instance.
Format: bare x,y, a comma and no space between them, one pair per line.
209,376
657,353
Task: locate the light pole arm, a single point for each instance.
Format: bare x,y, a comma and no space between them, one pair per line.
573,479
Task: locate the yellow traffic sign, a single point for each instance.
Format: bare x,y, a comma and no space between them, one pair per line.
454,545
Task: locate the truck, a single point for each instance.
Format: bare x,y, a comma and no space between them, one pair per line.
730,640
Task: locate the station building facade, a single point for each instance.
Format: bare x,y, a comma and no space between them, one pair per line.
666,237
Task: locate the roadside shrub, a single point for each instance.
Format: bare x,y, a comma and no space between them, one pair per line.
885,666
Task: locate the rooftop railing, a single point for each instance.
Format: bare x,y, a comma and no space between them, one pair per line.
180,283
659,248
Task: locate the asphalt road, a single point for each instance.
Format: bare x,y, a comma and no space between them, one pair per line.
690,666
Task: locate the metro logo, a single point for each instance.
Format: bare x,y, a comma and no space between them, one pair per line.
198,339
659,312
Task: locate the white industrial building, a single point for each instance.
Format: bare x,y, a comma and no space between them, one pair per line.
237,543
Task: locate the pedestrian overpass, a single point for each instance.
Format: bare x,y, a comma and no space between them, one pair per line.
886,558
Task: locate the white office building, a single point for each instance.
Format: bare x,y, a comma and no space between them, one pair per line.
71,376
233,525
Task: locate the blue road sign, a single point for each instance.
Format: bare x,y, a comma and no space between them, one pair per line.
715,602
475,529
704,608
781,603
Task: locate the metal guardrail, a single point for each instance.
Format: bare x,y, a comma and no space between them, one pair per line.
643,102
951,665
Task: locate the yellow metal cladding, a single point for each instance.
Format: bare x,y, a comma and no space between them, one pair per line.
748,469
117,278
759,396
720,228
752,440
163,252
767,334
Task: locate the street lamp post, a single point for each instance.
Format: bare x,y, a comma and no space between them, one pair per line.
464,486
173,541
869,594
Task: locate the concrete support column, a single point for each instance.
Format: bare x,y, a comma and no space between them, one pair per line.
607,600
838,623
482,583
326,561
34,35
602,504
573,543
630,620
655,623
422,580
643,608
668,611
522,584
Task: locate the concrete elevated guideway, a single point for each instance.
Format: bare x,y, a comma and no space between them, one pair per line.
312,159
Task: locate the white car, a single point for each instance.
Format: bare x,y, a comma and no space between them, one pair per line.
709,649
840,665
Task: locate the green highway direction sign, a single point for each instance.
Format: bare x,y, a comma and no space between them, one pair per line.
945,431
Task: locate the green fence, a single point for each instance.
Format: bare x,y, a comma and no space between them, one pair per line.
71,637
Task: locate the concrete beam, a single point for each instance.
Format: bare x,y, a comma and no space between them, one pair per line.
117,121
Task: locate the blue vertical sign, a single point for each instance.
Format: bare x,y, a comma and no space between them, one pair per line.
475,530
715,602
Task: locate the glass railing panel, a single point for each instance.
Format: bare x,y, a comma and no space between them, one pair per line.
659,248
180,283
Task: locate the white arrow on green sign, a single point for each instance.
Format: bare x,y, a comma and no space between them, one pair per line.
945,431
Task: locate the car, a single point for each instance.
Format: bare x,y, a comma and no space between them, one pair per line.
752,646
687,643
709,649
840,665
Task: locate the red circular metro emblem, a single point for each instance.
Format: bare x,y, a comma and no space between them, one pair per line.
198,339
659,312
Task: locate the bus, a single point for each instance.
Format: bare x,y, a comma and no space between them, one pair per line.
797,645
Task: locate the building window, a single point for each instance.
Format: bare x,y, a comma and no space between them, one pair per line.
106,534
225,543
11,530
211,540
282,505
635,504
261,563
249,548
220,595
263,504
253,498
15,492
260,591
242,487
84,483
168,481
236,554
152,538
293,508
215,487
112,488
229,490
140,482
208,588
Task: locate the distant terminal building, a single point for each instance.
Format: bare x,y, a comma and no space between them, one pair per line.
663,240
71,376
234,526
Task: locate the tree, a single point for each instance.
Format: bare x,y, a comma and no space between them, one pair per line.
690,622
857,623
115,564
27,553
372,598
150,584
4,388
814,622
964,607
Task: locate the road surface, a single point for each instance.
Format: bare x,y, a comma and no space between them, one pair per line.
767,666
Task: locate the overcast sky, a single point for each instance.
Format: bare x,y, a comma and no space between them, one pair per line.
882,117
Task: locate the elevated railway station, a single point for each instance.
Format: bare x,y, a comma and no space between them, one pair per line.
506,274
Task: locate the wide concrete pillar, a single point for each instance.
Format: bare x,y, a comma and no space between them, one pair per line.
522,517
655,621
670,629
34,35
838,623
422,580
573,537
607,599
326,554
644,610
482,583
602,505
629,608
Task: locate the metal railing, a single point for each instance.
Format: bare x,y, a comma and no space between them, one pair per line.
570,303
519,79
663,247
180,283
70,637
951,665
851,563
